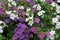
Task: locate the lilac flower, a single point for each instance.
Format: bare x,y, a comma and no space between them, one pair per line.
48,34
34,30
37,20
31,2
41,36
1,11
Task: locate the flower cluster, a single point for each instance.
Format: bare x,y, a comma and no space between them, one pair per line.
29,19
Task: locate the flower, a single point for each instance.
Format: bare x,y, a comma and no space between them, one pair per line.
31,2
21,7
41,36
54,20
30,23
1,30
31,35
8,12
37,20
38,7
58,9
42,24
6,21
52,32
21,19
58,1
23,13
48,34
13,16
14,3
1,11
34,30
40,13
57,25
49,1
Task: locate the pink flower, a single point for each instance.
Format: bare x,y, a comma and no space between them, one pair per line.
49,1
23,13
34,30
48,34
41,36
37,20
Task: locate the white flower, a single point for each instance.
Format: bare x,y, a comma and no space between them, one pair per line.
52,37
14,3
27,19
8,12
38,7
27,14
58,9
57,16
21,7
9,5
30,23
10,0
1,22
34,6
40,13
28,9
52,32
1,31
42,0
58,1
54,20
57,25
12,16
53,4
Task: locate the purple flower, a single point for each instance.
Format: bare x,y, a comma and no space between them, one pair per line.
41,36
33,10
3,5
31,35
34,30
48,34
37,20
42,24
1,11
6,21
21,25
16,9
31,2
49,1
23,13
21,19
